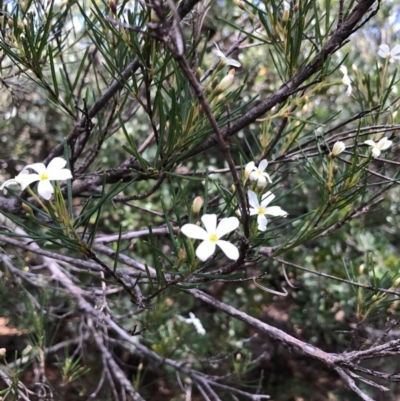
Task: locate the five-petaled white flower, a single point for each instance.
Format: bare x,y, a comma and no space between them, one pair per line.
261,210
346,79
228,61
14,181
391,55
383,144
55,171
338,148
211,236
258,174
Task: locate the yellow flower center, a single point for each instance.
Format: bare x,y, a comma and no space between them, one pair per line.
44,177
259,173
261,210
213,237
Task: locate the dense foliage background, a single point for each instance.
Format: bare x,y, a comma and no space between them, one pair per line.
102,296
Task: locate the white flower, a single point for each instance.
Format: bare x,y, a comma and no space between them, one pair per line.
258,174
346,80
211,236
383,144
261,210
338,148
195,321
228,61
14,181
55,171
391,55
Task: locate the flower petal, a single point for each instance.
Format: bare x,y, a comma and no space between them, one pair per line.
11,181
194,232
205,250
375,152
262,181
370,143
45,189
262,221
57,164
253,200
227,225
250,166
384,144
267,198
218,52
395,50
263,164
262,226
253,175
266,175
28,179
38,167
384,50
233,62
253,211
210,222
275,211
230,250
59,175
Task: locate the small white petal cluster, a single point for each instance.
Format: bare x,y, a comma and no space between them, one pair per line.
391,55
262,209
55,171
228,61
346,80
211,236
377,147
195,321
257,173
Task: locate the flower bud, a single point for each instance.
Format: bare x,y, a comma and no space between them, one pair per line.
2,352
154,16
338,148
240,4
226,82
113,6
199,73
182,254
214,83
285,15
197,204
